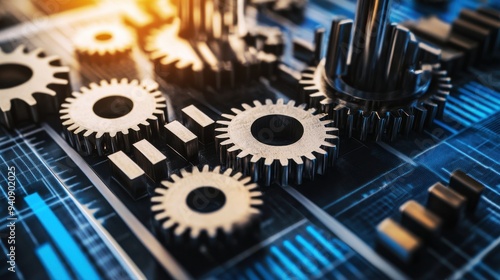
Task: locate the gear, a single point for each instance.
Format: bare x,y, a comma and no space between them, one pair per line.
113,115
219,54
103,42
206,204
31,84
380,82
277,141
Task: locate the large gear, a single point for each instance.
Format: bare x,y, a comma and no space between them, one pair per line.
205,204
112,116
275,142
31,84
218,54
380,82
103,42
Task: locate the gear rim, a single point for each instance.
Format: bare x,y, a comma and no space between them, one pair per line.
90,133
316,149
178,220
48,86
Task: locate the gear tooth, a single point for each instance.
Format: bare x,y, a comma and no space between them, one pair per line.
237,175
269,102
212,232
217,169
227,116
94,86
162,191
168,224
206,168
184,173
195,233
236,111
291,103
280,101
179,230
175,177
124,81
246,106
228,172
257,103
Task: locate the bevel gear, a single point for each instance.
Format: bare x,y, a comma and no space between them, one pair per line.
103,42
277,141
111,116
206,205
31,84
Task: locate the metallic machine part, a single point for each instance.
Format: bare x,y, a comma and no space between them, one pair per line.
396,241
277,142
447,204
182,140
206,204
209,45
199,123
150,160
380,82
128,174
31,84
422,222
111,116
468,187
103,42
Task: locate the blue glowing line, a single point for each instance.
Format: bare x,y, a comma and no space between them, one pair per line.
313,250
445,126
276,268
288,263
476,98
52,263
251,275
327,244
472,111
474,103
262,271
459,111
484,92
302,258
61,237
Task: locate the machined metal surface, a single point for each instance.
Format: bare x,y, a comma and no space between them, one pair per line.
398,242
277,142
31,84
128,174
182,140
111,116
199,123
380,82
103,42
183,211
151,160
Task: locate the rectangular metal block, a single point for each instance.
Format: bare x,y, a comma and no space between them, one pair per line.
128,174
446,203
397,241
199,123
151,160
182,140
420,221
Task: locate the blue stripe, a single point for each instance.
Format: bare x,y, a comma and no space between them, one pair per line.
475,103
251,275
445,126
262,271
276,269
458,118
478,99
461,112
287,262
52,263
312,249
471,110
303,258
61,237
485,92
327,244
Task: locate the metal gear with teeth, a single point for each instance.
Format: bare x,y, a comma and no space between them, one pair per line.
378,81
113,115
277,142
31,84
221,54
103,42
206,205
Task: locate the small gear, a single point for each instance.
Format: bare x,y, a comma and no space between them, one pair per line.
31,84
112,116
206,204
103,42
277,141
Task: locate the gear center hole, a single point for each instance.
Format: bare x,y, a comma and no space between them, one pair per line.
277,130
104,36
206,199
113,107
12,75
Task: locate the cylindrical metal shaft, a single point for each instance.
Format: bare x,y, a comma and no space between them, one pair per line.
366,56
